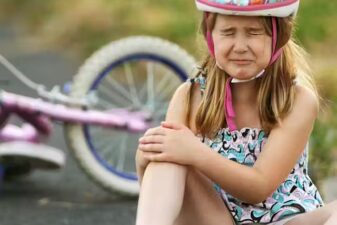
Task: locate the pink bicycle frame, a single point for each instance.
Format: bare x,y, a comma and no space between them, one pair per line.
39,114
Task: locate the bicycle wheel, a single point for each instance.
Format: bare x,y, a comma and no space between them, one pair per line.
137,74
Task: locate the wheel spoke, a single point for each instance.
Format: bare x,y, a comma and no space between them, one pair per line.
116,86
167,91
108,150
150,86
106,105
122,153
160,85
131,83
164,81
160,111
104,145
107,92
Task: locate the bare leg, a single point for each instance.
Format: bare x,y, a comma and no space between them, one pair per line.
326,215
165,200
202,205
332,220
161,194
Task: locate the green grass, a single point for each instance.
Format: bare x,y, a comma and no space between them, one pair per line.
316,22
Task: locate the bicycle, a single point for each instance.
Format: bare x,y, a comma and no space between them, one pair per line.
105,111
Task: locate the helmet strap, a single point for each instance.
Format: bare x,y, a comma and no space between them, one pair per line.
209,37
275,54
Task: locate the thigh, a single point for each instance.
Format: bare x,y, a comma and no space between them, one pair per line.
202,205
316,217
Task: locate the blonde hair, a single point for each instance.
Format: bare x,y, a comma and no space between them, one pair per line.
276,92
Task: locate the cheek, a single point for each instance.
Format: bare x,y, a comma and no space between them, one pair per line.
220,43
263,50
221,49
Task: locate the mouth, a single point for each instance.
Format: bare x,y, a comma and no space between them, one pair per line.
241,61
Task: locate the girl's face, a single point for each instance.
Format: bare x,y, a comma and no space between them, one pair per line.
242,47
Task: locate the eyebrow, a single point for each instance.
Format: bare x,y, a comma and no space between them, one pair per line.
255,28
230,29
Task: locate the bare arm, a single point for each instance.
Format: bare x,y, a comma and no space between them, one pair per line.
284,146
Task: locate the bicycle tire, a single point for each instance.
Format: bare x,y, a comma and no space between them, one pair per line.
87,77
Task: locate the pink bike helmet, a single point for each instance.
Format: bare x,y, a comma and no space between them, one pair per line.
276,8
272,8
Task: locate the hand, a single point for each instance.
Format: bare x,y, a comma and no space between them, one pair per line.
170,142
141,161
141,164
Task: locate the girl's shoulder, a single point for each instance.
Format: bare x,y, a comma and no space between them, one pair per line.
306,100
302,114
176,111
187,97
192,87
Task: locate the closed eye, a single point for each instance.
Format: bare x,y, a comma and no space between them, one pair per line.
256,31
227,34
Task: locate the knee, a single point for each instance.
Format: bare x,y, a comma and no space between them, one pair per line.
166,166
166,169
333,208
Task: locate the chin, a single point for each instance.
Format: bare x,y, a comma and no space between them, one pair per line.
243,76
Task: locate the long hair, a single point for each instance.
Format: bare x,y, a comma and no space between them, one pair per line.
276,89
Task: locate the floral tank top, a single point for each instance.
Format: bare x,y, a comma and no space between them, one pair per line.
297,194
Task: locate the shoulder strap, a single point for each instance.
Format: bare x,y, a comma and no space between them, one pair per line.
201,80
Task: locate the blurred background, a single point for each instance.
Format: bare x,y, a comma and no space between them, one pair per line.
79,27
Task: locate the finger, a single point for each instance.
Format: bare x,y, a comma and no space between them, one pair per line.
150,147
148,131
151,156
154,139
155,157
172,125
155,131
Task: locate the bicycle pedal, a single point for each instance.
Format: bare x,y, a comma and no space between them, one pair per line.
39,156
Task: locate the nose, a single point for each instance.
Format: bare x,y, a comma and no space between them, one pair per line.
240,44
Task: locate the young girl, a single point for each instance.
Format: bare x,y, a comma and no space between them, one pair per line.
233,148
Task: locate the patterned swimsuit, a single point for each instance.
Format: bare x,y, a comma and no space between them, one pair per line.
297,194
